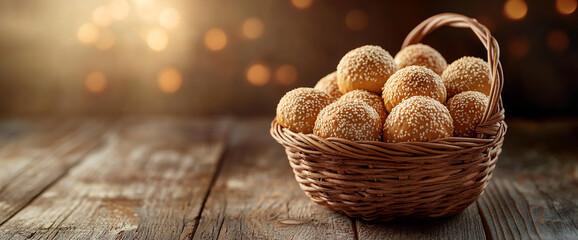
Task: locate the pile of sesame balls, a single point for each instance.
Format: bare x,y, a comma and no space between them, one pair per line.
414,97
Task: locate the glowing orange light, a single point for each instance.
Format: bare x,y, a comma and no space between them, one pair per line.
356,20
169,18
558,41
157,39
88,33
216,39
95,82
286,75
258,74
119,9
169,80
515,9
106,40
302,4
519,47
566,6
253,28
101,17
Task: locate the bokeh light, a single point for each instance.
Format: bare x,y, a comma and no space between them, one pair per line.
356,20
286,75
169,80
557,41
566,6
157,39
216,39
258,74
95,82
302,4
101,17
515,9
169,18
253,28
106,40
88,33
519,47
118,9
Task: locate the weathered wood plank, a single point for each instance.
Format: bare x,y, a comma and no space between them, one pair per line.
147,181
256,195
534,192
34,154
466,225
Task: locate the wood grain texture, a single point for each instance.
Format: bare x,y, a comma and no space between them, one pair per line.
36,153
466,225
257,197
147,181
534,193
171,178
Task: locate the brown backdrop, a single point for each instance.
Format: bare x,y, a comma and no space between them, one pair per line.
47,52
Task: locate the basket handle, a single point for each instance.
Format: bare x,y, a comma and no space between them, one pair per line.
495,108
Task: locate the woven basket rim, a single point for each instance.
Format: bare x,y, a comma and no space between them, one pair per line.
376,150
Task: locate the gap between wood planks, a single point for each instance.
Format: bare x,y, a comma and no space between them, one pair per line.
213,180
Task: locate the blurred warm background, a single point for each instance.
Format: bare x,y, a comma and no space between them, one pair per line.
239,57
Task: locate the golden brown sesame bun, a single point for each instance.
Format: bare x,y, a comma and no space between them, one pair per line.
467,74
371,99
298,109
353,120
366,68
328,84
418,119
421,55
467,110
412,81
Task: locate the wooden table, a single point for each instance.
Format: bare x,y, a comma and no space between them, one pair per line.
159,177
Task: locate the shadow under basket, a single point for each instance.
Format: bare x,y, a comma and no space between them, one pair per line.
411,180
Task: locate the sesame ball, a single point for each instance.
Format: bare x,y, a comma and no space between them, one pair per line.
366,68
467,74
328,84
298,109
418,119
467,110
371,99
421,55
353,120
412,81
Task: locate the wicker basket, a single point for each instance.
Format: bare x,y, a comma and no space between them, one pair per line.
413,180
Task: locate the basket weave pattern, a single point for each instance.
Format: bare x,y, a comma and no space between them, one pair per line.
415,180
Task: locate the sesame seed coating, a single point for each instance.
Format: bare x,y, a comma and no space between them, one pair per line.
353,120
467,110
371,99
421,55
418,119
328,84
412,81
367,67
298,109
467,74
